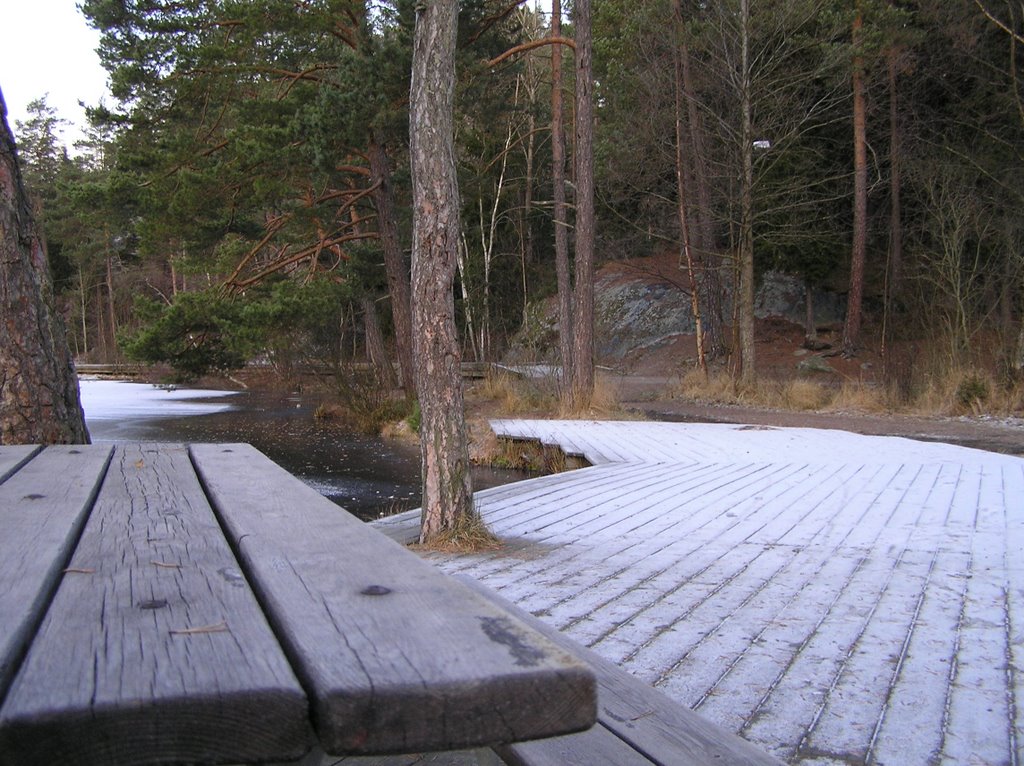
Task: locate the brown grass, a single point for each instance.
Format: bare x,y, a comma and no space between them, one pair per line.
469,535
946,392
856,396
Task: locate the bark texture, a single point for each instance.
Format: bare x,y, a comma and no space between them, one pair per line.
851,330
447,490
39,400
561,209
583,265
394,262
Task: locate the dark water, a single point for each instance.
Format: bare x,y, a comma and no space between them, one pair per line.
367,475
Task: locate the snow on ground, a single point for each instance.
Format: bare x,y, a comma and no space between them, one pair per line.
119,400
832,597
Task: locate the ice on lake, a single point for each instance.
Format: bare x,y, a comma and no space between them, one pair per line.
119,400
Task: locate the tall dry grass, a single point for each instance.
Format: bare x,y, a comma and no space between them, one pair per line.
929,392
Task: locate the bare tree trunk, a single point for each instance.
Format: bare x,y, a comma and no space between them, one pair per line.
895,181
894,265
467,303
810,326
684,225
447,489
375,349
583,271
525,226
565,323
855,297
39,400
83,306
710,283
394,262
111,306
745,297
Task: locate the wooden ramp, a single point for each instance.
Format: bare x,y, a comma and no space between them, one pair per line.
833,598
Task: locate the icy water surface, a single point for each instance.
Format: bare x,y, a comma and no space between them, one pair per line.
367,475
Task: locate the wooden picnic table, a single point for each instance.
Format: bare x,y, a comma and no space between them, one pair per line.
176,604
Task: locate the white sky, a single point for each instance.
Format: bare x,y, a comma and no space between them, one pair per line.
47,47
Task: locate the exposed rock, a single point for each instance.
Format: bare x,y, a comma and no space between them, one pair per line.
642,305
813,364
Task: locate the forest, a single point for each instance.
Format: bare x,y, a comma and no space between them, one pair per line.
247,196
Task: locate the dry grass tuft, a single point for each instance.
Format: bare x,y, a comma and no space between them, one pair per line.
604,404
717,388
515,396
803,394
469,535
855,396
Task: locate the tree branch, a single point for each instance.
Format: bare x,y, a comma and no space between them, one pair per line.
998,22
528,46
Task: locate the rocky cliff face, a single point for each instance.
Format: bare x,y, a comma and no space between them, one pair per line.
643,306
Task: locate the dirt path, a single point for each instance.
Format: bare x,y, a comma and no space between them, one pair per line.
994,435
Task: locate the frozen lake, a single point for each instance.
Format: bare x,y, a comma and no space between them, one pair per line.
365,474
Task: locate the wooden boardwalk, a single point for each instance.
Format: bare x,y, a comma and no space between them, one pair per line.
833,598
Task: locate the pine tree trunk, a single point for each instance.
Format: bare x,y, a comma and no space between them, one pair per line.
855,297
565,323
375,349
583,264
447,490
394,263
39,400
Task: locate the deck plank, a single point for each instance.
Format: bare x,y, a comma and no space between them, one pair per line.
39,534
358,632
814,591
13,456
153,625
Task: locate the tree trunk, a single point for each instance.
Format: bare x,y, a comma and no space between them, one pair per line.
565,323
810,326
83,306
111,307
745,296
39,400
855,297
684,225
525,213
710,283
583,271
375,349
394,262
895,181
447,490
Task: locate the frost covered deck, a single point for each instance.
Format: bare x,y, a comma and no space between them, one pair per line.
831,597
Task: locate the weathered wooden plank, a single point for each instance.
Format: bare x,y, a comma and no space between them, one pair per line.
648,721
154,648
42,509
13,456
397,656
596,747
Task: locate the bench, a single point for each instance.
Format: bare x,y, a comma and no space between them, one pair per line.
171,604
636,725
